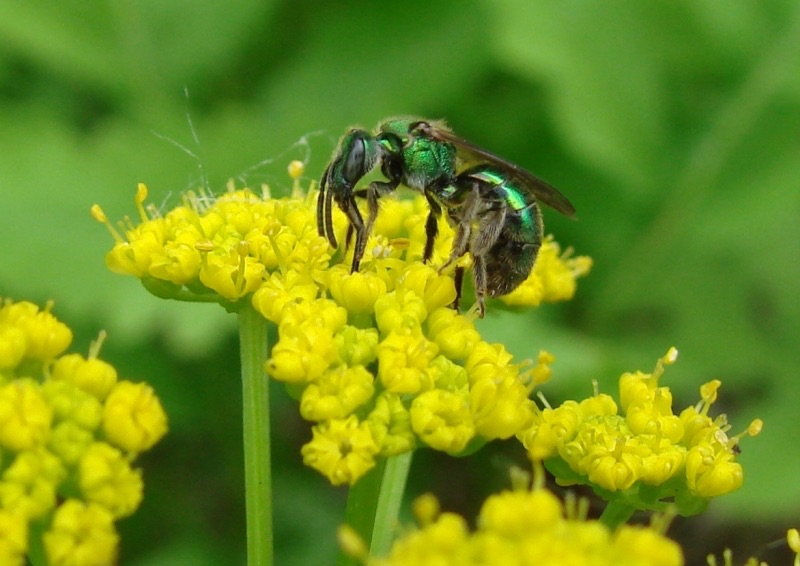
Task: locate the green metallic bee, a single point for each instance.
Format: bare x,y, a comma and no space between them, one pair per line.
490,202
421,164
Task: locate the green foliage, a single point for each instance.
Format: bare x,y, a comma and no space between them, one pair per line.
672,127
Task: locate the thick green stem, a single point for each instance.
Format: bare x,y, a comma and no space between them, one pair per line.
616,513
373,505
253,350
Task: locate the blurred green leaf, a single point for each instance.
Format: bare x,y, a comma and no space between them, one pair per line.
607,98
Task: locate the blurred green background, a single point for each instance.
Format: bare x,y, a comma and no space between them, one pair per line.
673,126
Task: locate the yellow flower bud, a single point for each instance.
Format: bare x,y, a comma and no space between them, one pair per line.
436,290
133,418
551,429
337,393
442,420
454,334
426,508
231,275
29,484
25,417
402,310
356,292
106,478
515,514
341,449
69,403
390,425
500,408
45,336
69,441
93,375
640,545
178,261
81,534
402,362
357,346
484,360
302,354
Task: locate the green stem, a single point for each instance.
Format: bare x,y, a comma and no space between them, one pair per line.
390,498
373,505
616,513
253,349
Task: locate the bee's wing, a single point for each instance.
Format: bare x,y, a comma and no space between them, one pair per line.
542,190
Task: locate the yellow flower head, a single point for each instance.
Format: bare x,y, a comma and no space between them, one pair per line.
396,355
58,414
219,248
646,454
377,352
526,528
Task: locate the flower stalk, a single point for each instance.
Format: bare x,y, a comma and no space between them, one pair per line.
616,513
253,350
373,505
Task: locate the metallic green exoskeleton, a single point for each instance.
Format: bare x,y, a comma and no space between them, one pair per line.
424,164
499,224
490,202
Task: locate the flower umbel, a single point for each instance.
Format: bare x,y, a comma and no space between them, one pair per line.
219,248
641,452
524,528
378,359
69,432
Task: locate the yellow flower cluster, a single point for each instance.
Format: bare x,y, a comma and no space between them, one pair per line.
217,249
645,453
521,528
377,358
69,431
227,247
397,368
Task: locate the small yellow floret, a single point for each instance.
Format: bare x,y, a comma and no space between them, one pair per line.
337,393
442,420
91,375
133,418
341,449
81,534
25,416
106,478
28,485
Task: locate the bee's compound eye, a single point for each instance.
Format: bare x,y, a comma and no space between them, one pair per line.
354,161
